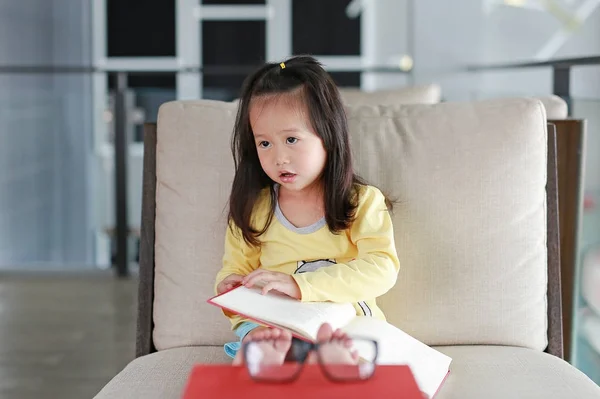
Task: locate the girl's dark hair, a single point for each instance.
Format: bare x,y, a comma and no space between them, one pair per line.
328,119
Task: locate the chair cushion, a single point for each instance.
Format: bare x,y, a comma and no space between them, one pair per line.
426,94
496,372
476,372
194,171
161,374
470,222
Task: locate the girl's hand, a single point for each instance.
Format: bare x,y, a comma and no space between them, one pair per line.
229,282
280,282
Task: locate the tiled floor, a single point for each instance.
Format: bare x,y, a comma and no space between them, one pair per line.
64,336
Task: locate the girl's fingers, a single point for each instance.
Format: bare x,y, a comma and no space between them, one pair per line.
235,278
262,275
251,275
265,277
228,283
222,288
273,286
252,279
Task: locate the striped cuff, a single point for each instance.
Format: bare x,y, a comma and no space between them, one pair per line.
232,348
244,328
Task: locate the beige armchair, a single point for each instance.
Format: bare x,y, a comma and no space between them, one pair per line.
476,230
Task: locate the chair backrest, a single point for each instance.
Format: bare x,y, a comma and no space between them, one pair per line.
556,107
422,94
475,222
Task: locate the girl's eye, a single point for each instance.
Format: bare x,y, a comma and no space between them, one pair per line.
291,140
264,144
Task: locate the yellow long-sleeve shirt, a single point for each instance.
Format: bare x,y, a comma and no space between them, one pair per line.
357,265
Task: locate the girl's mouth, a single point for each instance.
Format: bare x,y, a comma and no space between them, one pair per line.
287,177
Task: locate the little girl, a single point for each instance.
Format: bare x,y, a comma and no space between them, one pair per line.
301,222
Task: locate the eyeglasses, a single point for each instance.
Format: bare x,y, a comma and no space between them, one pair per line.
340,361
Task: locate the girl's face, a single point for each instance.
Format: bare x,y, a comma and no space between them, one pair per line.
289,150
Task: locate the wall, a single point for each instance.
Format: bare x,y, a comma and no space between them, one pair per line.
447,37
442,37
44,133
386,33
72,46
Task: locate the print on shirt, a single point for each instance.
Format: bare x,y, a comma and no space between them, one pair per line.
314,265
311,266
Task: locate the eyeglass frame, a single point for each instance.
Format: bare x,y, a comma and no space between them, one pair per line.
307,348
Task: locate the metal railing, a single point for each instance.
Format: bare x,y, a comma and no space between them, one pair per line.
561,72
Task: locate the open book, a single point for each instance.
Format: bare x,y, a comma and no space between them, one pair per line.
303,319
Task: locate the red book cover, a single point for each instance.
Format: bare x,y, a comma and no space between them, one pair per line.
225,381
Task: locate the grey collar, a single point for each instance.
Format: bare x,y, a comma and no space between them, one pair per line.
286,223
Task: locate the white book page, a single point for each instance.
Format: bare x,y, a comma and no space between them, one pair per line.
301,317
428,365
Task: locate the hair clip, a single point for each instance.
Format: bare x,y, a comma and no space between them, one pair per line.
282,65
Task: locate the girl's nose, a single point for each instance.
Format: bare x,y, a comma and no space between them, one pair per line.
282,158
